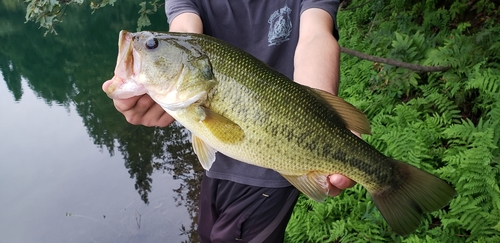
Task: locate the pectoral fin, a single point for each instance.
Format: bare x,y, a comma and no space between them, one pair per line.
222,128
205,153
313,184
354,119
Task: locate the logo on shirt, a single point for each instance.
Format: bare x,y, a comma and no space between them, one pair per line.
280,26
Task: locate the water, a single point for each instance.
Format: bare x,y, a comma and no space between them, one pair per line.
71,168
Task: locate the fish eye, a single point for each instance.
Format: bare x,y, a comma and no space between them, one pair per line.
151,43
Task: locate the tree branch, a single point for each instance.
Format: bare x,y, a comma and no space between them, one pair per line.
413,67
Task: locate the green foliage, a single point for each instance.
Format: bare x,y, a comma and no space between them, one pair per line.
447,123
49,13
144,12
326,222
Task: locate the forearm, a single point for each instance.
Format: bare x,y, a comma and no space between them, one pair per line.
187,22
317,56
317,64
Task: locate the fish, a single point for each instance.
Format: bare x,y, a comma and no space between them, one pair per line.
234,104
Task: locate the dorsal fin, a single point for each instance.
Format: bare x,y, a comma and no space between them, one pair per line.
354,119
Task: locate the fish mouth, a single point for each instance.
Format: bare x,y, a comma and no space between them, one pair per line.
125,61
125,70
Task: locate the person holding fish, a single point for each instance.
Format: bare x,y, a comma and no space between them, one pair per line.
239,109
269,30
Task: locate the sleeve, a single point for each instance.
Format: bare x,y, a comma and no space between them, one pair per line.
330,6
175,7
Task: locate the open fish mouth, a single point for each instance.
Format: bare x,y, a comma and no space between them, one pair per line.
127,68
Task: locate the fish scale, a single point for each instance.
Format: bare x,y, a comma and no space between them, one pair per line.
234,104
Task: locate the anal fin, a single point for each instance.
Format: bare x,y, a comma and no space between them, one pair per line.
314,184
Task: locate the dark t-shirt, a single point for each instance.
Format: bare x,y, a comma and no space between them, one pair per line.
267,29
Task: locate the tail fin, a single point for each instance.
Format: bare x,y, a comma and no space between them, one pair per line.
402,205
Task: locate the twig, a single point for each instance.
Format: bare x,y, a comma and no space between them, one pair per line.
371,26
138,219
410,66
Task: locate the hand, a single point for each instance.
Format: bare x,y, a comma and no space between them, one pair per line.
141,110
337,183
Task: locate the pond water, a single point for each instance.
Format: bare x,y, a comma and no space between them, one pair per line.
71,168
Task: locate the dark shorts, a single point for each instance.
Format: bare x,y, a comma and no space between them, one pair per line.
233,212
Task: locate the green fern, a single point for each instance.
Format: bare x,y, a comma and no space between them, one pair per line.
447,123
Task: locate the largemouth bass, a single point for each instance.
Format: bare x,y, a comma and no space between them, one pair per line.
234,104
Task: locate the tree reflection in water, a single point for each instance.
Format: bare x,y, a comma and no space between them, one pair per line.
183,165
66,71
167,150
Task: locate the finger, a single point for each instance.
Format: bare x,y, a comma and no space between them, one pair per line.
148,113
165,120
340,181
333,191
156,116
134,109
337,183
144,103
105,85
136,104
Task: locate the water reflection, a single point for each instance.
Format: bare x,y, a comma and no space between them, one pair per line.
67,70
